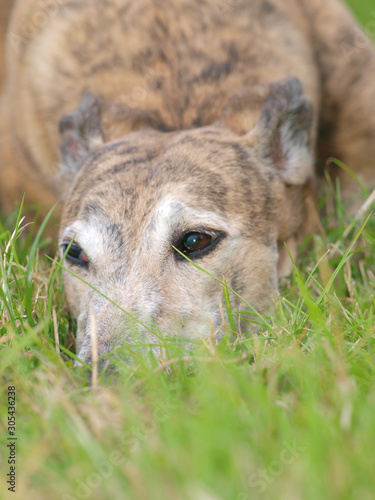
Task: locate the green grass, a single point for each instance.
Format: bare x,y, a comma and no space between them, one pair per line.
287,413
363,9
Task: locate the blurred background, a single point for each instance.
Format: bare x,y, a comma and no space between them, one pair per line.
363,9
5,6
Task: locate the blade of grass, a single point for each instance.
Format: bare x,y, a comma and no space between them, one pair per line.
228,307
29,269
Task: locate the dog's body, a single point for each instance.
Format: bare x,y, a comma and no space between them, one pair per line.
189,137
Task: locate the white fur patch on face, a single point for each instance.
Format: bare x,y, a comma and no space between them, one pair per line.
89,236
172,215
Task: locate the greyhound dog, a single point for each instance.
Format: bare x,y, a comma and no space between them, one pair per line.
198,132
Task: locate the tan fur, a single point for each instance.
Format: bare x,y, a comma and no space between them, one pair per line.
195,110
4,18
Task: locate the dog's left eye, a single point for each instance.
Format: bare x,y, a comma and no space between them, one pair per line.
197,243
194,242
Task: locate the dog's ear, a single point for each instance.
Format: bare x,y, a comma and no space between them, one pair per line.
81,132
275,120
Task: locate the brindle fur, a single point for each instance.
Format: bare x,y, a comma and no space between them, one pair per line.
4,19
190,120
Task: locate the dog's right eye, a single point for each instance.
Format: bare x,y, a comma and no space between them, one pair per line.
76,255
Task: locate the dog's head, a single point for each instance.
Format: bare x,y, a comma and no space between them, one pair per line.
226,196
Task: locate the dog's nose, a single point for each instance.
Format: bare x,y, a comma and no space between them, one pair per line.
104,366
